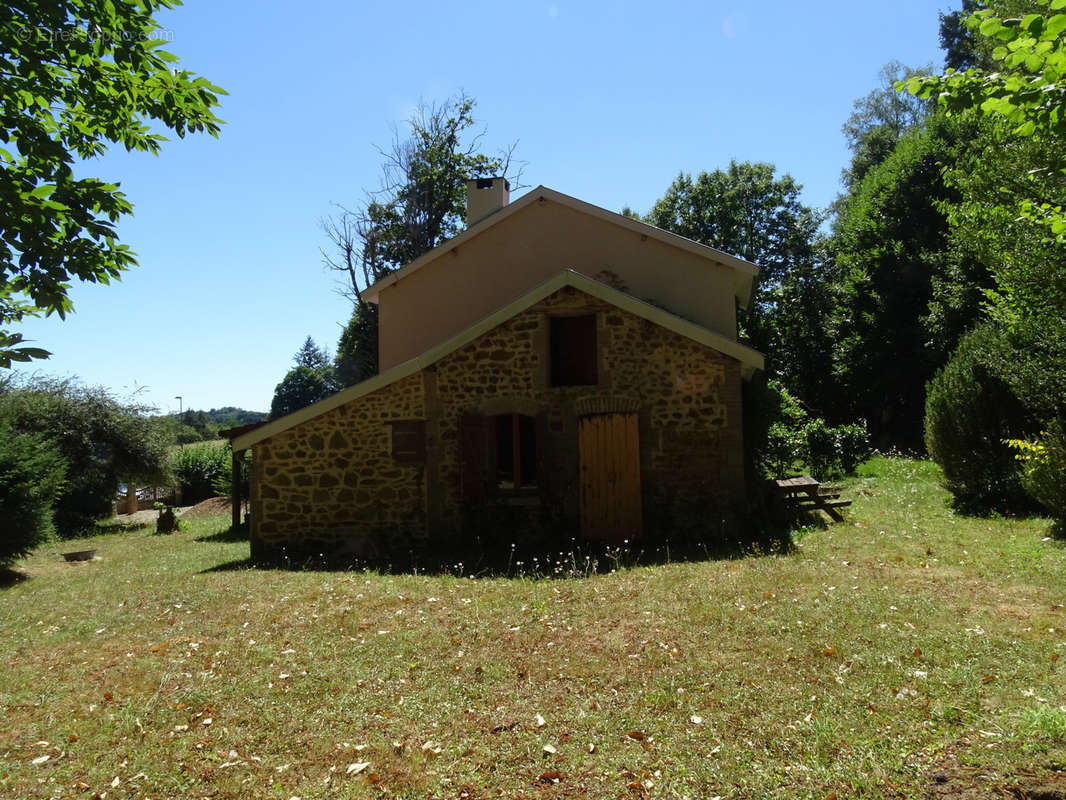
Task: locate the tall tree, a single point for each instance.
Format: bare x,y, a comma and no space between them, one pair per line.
880,119
420,203
311,379
751,212
1014,196
75,77
312,356
897,312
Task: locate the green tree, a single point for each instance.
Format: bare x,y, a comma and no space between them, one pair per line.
312,356
751,212
880,119
75,77
357,350
899,304
103,441
745,210
1024,85
300,387
420,204
31,478
313,378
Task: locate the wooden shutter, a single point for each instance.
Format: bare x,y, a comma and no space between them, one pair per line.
477,465
408,441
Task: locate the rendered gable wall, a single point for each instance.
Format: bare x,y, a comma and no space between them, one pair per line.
467,284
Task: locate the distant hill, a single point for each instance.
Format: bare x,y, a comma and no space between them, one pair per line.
197,426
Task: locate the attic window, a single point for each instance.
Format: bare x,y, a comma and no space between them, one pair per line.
408,441
573,351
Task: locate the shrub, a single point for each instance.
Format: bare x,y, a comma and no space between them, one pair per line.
197,467
31,477
223,485
102,440
970,412
782,436
1043,468
834,451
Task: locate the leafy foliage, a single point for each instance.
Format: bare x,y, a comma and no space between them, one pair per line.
898,304
1025,85
31,478
223,485
198,468
420,204
745,210
880,120
1043,467
103,441
970,413
357,350
76,76
785,437
312,379
748,211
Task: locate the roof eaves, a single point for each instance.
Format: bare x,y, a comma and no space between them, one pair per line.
750,359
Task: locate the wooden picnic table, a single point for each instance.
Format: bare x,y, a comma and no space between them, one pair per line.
803,491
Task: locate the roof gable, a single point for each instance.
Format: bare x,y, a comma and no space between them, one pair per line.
744,271
750,359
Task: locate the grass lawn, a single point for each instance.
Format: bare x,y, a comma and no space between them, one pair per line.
907,652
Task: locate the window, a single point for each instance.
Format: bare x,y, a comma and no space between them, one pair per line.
573,351
409,441
516,451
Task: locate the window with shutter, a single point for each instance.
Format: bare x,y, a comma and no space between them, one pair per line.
408,441
573,351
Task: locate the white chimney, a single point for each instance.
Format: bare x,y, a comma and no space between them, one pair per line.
485,196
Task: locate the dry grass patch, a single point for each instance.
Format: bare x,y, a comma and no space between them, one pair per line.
904,646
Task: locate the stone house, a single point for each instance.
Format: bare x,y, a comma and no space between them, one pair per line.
554,366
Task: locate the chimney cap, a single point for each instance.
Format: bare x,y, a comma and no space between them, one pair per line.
487,183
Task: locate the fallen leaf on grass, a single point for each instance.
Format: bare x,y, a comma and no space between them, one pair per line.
640,737
988,678
695,719
550,777
549,749
355,769
540,721
40,759
829,651
592,747
917,652
431,749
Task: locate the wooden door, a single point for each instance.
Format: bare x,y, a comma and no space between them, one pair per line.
609,451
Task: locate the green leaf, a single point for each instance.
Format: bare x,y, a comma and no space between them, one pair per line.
43,192
1056,25
991,26
1058,4
1031,22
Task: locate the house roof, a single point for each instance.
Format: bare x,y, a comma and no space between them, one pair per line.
744,271
750,359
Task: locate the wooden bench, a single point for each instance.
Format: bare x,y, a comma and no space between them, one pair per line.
804,492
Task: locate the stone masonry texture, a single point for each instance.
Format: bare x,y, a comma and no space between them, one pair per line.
332,484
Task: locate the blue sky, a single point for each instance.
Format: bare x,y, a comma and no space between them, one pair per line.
607,101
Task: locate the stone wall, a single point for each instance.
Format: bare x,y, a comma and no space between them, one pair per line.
332,480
